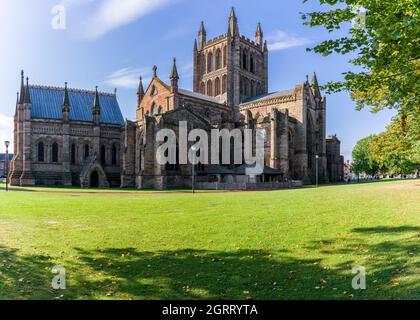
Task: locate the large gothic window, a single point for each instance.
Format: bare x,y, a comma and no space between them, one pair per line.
86,151
114,155
209,62
251,64
41,152
244,61
209,88
252,88
73,154
218,59
154,109
54,152
217,87
224,84
103,155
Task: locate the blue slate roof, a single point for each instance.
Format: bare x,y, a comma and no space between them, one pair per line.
47,103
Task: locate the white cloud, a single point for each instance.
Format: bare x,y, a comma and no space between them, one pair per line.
113,14
280,40
6,132
127,77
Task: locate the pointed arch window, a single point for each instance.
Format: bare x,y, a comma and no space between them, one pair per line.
86,151
209,62
251,64
244,61
224,84
154,109
217,87
224,56
114,155
54,152
103,155
41,154
218,59
210,88
73,153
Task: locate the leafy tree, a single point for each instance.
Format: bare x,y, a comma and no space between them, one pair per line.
384,40
363,158
395,150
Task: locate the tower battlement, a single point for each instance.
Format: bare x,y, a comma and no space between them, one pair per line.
231,66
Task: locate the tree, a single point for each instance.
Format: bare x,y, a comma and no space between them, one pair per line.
395,150
363,158
383,38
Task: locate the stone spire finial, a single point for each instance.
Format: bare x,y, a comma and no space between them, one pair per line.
96,108
65,108
22,87
202,28
154,71
202,37
233,24
96,103
66,99
140,91
232,12
174,77
259,35
174,73
195,45
315,85
27,98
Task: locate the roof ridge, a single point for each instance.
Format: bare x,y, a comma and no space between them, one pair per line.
38,86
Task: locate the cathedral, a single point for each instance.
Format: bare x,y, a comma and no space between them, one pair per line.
65,136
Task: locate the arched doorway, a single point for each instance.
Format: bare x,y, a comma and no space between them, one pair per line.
94,179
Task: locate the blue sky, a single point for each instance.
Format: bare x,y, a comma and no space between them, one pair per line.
110,43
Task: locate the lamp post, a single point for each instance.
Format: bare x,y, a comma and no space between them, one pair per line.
194,150
316,169
6,165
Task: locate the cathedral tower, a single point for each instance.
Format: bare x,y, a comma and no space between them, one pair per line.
231,67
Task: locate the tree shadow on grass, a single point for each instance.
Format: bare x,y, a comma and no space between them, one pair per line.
386,229
392,266
24,276
201,274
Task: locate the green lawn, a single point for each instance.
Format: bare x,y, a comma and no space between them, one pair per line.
289,244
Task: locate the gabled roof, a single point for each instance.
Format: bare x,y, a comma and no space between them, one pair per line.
269,96
47,104
198,96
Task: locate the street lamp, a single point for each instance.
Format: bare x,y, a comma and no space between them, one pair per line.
194,150
316,168
6,169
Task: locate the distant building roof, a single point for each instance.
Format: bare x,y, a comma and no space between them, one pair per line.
47,103
269,96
